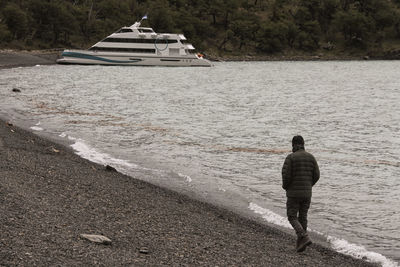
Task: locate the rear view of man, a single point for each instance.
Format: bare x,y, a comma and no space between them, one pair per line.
300,172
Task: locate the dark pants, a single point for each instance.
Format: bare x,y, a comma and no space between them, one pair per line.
297,209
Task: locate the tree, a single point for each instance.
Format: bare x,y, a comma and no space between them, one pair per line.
396,24
85,16
273,37
16,20
326,14
355,27
116,12
161,17
244,26
309,28
308,36
264,26
223,9
53,21
5,34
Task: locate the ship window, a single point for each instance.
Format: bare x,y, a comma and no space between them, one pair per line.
120,49
145,30
142,41
174,51
164,41
125,30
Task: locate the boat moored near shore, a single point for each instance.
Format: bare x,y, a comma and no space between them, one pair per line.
138,46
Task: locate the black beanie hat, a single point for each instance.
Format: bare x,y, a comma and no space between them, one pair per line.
297,140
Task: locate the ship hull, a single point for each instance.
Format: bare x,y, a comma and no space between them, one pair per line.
86,57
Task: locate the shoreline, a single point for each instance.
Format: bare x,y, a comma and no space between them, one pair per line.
34,153
25,147
50,196
23,58
15,59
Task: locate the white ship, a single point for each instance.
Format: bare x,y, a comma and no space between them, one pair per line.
137,46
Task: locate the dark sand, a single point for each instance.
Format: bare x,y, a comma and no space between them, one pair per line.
12,59
49,196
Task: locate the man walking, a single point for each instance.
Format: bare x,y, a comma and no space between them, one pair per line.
300,172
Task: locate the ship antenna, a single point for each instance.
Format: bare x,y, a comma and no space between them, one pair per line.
144,17
137,24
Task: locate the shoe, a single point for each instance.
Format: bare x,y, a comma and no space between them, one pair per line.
298,241
303,243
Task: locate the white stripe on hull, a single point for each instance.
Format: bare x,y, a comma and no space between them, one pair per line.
95,58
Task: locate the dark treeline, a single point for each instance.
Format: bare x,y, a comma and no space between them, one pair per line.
219,27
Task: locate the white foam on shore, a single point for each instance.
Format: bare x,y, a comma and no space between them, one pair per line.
187,177
36,128
85,151
360,252
270,216
340,245
89,153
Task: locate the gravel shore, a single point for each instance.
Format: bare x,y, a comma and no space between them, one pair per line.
49,197
12,59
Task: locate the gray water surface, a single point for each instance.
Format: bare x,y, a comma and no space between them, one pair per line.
222,133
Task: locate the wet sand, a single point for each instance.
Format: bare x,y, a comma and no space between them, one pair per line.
49,197
12,59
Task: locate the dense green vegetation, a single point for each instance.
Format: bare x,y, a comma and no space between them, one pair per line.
217,27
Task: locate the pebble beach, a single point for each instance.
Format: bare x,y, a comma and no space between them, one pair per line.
50,198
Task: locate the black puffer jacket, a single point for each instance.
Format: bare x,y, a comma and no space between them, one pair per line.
300,172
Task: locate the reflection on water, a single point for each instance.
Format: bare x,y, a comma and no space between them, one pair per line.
223,132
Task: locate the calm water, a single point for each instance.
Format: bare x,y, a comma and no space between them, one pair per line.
222,134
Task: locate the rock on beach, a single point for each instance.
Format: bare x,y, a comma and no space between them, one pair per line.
100,239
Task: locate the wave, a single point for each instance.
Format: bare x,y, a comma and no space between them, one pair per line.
36,127
339,245
89,153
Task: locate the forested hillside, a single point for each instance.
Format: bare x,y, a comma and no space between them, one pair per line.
216,27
